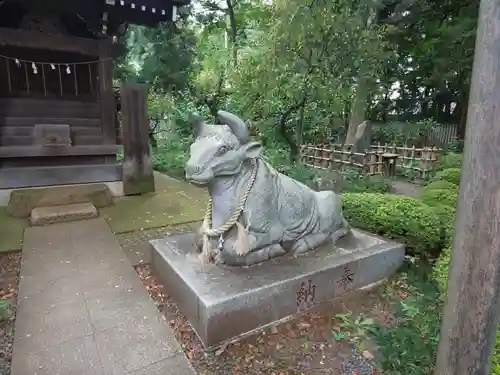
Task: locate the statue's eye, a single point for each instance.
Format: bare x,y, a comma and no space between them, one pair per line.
222,150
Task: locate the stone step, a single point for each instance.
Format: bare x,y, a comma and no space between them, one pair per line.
23,201
226,303
60,214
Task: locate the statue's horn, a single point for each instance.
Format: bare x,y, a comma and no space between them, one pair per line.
197,123
237,125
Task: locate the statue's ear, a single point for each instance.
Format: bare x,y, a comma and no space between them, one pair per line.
197,123
251,150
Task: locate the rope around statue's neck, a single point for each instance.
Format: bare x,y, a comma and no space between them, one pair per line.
207,222
207,230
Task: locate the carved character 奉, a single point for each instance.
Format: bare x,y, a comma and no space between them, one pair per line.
254,213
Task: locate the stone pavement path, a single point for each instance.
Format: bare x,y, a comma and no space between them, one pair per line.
406,188
83,311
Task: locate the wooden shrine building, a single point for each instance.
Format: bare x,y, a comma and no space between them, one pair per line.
58,113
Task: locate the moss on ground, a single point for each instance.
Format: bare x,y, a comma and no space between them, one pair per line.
11,231
175,202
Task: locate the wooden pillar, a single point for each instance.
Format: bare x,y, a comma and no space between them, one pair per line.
106,95
137,166
472,307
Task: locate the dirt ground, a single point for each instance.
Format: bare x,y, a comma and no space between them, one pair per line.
316,343
10,264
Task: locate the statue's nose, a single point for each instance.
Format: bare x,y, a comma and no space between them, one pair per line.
193,169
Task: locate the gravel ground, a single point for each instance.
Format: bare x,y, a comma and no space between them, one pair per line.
10,265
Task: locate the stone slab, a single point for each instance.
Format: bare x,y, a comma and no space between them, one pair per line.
89,319
23,201
223,303
62,214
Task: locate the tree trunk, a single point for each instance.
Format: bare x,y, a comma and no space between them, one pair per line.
358,111
300,126
294,149
471,313
234,32
461,119
360,105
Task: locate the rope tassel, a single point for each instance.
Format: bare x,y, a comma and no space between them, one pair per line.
242,244
205,250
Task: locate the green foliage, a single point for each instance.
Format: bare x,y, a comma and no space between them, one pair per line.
354,328
410,346
436,197
356,182
171,156
450,160
404,219
495,365
5,310
280,160
402,133
440,274
456,146
162,56
450,174
440,271
441,184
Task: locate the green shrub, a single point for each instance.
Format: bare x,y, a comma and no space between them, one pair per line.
440,271
442,184
368,184
352,181
404,219
450,174
5,310
409,346
171,156
450,160
437,197
495,365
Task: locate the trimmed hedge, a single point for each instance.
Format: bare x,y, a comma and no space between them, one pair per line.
437,197
450,160
442,184
404,219
451,175
440,271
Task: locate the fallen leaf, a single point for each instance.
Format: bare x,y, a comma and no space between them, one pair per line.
304,325
367,355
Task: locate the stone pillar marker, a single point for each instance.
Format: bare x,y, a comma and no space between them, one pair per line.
138,175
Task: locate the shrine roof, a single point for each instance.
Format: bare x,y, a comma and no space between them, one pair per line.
110,12
144,11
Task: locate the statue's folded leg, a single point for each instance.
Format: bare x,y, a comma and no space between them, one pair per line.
253,257
313,240
309,242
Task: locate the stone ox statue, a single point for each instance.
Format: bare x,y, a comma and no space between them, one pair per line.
254,213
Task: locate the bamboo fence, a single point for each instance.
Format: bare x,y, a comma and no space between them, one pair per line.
373,161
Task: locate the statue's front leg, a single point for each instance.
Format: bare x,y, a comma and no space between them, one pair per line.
262,247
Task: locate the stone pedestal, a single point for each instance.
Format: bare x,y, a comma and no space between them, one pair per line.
222,303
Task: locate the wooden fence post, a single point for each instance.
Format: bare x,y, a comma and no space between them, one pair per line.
138,175
472,309
373,162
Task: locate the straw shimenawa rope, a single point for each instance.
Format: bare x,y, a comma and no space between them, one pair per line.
242,243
